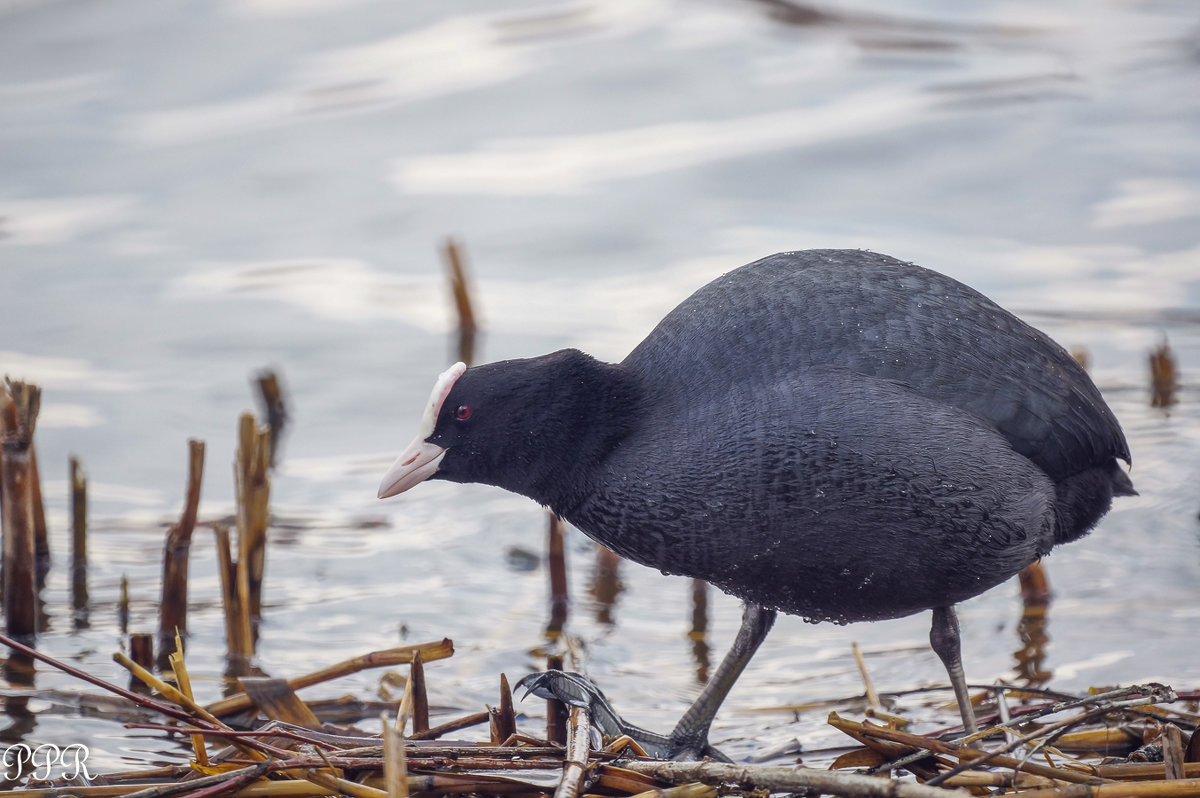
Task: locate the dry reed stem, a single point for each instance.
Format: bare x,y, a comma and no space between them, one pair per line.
790,779
167,691
1164,376
147,702
461,290
184,679
556,711
265,789
1178,788
271,391
395,767
868,735
1147,771
276,699
405,708
872,696
376,659
123,605
505,717
344,786
1046,733
234,641
693,790
575,766
79,559
557,568
41,537
141,649
420,697
1172,744
19,404
172,613
253,486
458,724
1035,588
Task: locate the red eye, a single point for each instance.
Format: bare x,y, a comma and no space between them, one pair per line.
462,413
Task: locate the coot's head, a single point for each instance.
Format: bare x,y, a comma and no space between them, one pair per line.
524,425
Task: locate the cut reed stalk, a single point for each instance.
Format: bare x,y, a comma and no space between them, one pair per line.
235,638
460,289
395,767
253,483
557,567
504,718
122,605
556,711
420,697
270,389
79,555
172,612
141,649
19,403
41,537
179,667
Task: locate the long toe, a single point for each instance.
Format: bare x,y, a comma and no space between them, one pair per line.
574,689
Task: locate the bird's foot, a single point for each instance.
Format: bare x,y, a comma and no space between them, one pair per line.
576,690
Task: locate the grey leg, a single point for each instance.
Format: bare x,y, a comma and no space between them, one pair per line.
943,636
689,739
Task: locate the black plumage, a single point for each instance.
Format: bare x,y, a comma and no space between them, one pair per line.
833,434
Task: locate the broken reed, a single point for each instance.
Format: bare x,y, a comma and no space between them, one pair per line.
242,580
270,390
461,291
79,557
19,403
172,614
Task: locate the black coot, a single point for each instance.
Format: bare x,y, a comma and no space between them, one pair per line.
835,434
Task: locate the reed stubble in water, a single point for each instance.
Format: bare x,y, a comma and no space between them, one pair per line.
19,403
172,611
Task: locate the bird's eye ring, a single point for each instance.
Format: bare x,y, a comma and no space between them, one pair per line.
462,413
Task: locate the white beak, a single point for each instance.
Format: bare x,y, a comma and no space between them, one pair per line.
415,464
421,459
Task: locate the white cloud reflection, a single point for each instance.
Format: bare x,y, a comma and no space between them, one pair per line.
568,164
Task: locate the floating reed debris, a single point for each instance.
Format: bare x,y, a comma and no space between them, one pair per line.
19,403
172,611
270,390
79,555
460,289
391,657
1164,376
284,758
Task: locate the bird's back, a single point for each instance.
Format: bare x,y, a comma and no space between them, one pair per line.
878,316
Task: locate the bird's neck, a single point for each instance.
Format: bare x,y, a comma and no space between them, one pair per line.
591,407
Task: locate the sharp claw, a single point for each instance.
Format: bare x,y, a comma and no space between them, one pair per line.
570,688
